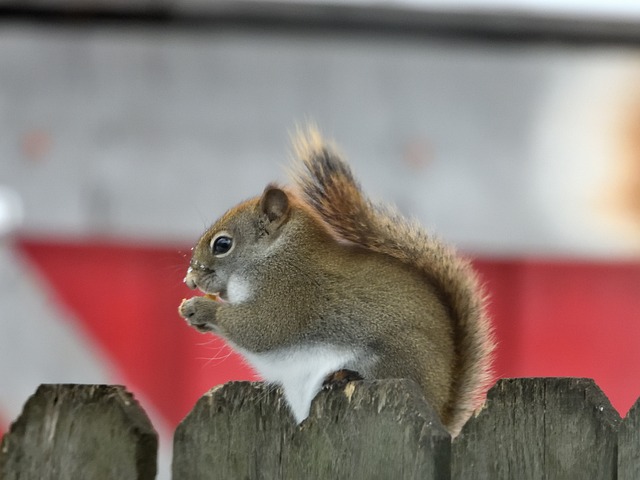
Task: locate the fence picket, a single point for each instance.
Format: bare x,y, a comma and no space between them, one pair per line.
371,429
80,431
629,445
540,428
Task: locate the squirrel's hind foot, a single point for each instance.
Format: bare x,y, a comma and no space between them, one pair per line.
340,378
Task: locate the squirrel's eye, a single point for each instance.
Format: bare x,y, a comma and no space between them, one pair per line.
221,245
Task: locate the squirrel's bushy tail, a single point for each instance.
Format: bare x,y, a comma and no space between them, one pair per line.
327,185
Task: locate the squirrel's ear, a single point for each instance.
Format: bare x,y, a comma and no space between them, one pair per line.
274,204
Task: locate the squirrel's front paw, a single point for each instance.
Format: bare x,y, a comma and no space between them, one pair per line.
200,313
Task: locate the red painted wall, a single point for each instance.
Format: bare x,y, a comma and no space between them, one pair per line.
552,318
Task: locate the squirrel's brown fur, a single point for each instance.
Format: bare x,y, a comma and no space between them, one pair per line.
327,185
316,279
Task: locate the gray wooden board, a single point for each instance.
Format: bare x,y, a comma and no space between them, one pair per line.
370,429
629,445
540,428
80,432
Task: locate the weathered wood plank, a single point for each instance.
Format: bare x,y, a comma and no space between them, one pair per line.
80,431
540,428
234,431
370,429
629,445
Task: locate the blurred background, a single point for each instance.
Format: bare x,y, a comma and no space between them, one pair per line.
510,129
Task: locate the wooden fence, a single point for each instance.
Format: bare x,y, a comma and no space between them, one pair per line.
555,428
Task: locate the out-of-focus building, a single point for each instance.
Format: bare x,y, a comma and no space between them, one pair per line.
509,129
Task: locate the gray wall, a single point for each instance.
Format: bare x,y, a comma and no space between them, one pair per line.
153,131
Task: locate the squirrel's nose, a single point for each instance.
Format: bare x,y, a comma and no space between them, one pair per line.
189,279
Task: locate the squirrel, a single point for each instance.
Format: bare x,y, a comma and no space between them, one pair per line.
316,279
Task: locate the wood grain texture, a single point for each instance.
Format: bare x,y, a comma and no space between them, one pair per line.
369,429
80,431
629,445
540,428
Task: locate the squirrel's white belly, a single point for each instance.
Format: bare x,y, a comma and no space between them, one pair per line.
300,371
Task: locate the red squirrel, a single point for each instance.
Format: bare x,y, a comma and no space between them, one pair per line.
308,280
